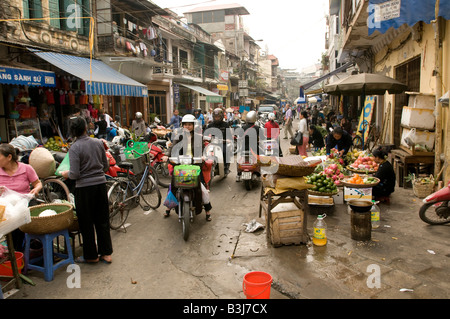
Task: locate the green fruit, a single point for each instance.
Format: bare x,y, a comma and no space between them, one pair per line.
322,189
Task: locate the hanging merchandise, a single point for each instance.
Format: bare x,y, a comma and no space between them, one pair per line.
50,97
320,231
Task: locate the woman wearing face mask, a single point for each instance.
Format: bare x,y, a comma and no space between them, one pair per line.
189,143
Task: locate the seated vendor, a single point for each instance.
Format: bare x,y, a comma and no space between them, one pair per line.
386,175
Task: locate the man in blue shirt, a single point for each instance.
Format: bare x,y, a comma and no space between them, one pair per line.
175,120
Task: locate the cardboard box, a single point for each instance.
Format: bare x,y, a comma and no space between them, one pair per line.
419,118
357,193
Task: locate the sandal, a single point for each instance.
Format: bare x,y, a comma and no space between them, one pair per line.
208,217
167,214
106,260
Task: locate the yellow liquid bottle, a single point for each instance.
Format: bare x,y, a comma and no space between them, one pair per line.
320,231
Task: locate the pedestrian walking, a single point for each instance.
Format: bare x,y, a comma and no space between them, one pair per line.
303,128
88,164
288,122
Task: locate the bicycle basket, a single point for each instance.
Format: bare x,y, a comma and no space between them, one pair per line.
138,164
186,176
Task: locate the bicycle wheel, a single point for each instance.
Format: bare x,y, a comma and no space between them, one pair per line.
358,142
162,170
186,220
118,208
53,189
153,195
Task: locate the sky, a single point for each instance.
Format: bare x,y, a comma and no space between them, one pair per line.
293,30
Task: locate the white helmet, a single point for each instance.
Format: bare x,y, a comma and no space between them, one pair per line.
188,118
157,120
251,117
138,115
271,116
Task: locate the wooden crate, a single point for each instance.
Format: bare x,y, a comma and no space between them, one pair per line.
287,225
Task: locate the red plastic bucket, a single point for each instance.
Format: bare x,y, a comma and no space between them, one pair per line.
257,285
5,267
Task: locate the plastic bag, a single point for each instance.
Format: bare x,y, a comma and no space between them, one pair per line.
297,139
205,194
64,166
410,137
170,201
16,212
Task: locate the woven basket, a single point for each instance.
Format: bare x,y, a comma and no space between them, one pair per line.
422,190
49,224
287,166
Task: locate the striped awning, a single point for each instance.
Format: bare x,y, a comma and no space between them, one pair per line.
100,78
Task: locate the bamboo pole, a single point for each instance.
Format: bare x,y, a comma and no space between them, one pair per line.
438,70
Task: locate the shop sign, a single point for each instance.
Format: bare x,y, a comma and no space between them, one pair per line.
176,93
222,87
214,99
26,77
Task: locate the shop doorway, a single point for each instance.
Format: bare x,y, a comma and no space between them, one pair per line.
408,73
157,104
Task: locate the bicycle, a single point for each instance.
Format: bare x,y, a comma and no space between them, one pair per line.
372,137
126,192
53,188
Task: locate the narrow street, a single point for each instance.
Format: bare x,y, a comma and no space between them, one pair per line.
152,261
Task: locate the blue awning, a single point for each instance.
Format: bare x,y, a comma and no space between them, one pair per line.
384,14
103,80
25,76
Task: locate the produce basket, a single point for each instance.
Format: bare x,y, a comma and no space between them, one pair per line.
287,166
316,193
49,224
363,171
423,187
346,183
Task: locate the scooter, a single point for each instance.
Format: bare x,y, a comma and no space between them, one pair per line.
186,179
248,169
213,152
161,167
436,209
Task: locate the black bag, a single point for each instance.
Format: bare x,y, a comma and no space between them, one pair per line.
297,139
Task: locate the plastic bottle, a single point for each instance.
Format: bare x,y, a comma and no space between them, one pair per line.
375,215
320,231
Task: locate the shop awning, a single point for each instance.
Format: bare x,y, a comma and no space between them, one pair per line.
24,75
103,80
211,97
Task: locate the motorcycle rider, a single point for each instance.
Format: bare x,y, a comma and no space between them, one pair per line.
200,118
224,127
249,129
138,125
272,131
189,142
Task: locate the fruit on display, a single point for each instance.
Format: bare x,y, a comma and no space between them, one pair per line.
366,163
335,172
357,179
353,155
55,144
321,183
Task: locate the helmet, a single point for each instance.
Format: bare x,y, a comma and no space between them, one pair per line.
138,115
157,120
251,117
218,112
188,118
271,116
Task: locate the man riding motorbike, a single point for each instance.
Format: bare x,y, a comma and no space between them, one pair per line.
247,135
188,142
225,129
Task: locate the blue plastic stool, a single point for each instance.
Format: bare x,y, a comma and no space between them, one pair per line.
47,244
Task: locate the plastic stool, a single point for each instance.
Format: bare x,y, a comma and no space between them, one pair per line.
47,244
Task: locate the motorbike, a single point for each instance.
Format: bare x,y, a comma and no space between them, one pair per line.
436,209
249,169
186,178
161,167
270,147
213,152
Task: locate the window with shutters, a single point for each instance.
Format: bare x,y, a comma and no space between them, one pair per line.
32,9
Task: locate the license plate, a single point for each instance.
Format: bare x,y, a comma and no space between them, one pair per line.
246,175
268,152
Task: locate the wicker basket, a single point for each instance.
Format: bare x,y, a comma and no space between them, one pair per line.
287,166
49,224
422,190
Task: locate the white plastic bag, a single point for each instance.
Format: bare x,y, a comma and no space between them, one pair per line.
17,212
410,137
205,194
